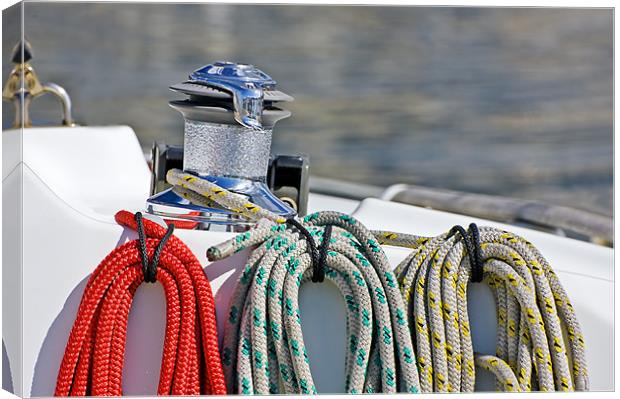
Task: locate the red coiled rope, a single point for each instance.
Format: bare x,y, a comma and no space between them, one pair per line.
94,356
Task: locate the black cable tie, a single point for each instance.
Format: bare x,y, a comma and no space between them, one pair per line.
149,269
314,253
471,239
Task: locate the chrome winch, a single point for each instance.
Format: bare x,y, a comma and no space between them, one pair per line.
229,116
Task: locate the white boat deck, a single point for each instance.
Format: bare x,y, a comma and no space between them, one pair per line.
58,207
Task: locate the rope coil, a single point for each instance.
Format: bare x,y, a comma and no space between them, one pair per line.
263,341
94,355
533,309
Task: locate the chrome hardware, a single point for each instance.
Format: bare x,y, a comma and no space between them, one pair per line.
246,84
229,116
287,176
288,180
23,86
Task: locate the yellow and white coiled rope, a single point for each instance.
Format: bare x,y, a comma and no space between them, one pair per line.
533,309
203,192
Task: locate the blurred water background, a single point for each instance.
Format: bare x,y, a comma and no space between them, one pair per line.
509,101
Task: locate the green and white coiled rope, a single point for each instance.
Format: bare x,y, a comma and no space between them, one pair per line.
264,348
263,343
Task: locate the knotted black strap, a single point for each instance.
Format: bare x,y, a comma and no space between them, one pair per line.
317,255
471,239
319,272
149,269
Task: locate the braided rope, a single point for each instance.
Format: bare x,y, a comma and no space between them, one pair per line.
263,340
94,355
532,308
531,305
203,192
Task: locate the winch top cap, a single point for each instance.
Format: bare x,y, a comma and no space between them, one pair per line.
245,82
231,72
